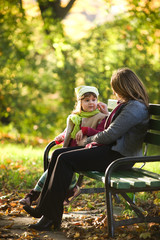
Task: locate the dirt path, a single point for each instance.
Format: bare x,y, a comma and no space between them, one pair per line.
79,224
17,228
87,221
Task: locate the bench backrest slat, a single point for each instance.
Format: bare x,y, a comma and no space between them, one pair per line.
154,109
152,138
154,124
153,133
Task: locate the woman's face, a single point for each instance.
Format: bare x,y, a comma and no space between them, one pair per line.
89,103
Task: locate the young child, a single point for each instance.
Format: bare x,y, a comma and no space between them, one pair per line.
85,120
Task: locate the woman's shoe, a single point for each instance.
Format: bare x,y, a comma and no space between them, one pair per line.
29,198
44,224
34,212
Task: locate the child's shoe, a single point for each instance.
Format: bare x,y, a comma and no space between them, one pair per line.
72,193
30,197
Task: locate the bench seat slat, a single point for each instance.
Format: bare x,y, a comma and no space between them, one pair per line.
135,182
115,182
139,178
119,184
151,182
147,173
128,178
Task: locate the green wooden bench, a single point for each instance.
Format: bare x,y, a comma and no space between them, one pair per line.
126,181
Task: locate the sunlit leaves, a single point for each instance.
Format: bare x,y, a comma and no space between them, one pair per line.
40,65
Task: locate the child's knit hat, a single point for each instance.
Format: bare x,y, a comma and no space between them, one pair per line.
81,90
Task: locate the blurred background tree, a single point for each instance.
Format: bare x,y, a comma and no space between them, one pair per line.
41,64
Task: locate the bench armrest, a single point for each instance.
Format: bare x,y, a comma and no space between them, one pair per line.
124,160
46,152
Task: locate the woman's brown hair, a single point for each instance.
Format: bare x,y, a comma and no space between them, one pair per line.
128,86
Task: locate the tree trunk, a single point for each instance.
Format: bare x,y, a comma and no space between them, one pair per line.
53,9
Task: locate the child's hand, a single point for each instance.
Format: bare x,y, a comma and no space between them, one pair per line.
103,107
79,135
59,138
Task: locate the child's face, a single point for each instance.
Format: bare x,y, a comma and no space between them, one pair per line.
89,103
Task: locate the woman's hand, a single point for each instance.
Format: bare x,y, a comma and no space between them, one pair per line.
82,142
103,107
79,135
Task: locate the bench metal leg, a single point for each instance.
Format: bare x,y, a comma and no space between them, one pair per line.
110,219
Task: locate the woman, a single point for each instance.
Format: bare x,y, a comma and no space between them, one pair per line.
123,136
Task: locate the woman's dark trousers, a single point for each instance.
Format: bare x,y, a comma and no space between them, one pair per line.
64,162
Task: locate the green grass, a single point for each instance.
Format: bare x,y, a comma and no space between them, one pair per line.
20,153
20,165
153,167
